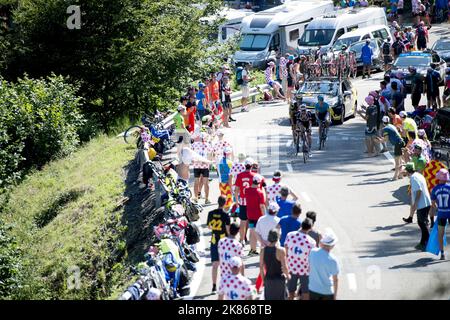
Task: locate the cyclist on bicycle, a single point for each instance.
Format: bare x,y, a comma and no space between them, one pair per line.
303,119
322,113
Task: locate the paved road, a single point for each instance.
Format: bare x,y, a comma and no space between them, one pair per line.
353,195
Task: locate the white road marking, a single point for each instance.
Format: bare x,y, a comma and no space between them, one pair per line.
345,138
351,277
305,196
389,157
289,167
198,275
289,143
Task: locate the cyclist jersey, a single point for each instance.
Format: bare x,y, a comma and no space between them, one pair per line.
298,246
410,125
217,221
304,118
322,108
441,194
228,248
237,168
272,192
244,180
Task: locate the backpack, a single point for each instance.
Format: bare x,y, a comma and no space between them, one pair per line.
398,47
192,233
239,79
386,48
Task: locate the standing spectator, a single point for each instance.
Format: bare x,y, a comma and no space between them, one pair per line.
226,99
386,50
397,47
214,89
421,38
415,8
256,207
313,233
419,160
180,127
426,12
290,223
391,134
416,86
273,268
440,196
228,248
273,191
235,286
366,57
219,224
432,80
285,204
298,245
400,11
291,76
202,105
384,91
397,98
207,94
201,169
244,83
191,110
276,86
242,183
371,125
324,270
393,7
420,202
283,73
225,178
220,145
238,166
396,120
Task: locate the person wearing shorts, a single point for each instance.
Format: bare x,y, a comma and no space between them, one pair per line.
298,245
246,79
440,202
256,208
201,169
226,100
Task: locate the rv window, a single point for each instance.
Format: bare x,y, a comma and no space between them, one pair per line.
316,37
384,34
254,42
339,33
352,28
294,35
275,43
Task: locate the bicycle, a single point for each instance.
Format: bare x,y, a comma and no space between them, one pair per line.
305,145
323,129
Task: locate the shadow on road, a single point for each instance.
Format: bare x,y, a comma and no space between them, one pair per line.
419,263
370,182
401,194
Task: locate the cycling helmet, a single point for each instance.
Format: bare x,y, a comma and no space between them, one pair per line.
443,175
320,98
385,119
303,107
344,47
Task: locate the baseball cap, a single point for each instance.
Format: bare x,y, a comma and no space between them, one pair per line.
274,207
403,114
235,262
257,178
181,107
241,156
410,166
277,174
385,119
201,85
249,161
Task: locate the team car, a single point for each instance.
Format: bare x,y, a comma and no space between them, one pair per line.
422,61
340,95
442,48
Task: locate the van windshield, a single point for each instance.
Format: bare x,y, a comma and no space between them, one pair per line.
316,37
347,41
254,42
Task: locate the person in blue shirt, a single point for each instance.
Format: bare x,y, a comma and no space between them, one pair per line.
201,97
322,112
366,57
290,223
440,201
284,203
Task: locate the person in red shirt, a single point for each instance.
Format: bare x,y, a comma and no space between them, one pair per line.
213,88
243,181
256,208
191,111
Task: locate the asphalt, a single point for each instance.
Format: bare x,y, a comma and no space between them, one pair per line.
352,195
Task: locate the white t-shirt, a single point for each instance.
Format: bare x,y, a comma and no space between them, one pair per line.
244,73
418,182
265,224
299,246
235,287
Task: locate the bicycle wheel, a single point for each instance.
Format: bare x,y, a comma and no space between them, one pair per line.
305,152
132,134
297,145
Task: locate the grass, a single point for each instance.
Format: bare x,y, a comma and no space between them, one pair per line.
66,218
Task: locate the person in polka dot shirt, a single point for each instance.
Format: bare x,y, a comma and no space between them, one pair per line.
201,169
273,191
229,247
235,286
298,245
220,145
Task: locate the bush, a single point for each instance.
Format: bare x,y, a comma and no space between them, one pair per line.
39,120
10,263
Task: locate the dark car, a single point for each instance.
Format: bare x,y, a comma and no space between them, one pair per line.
440,135
340,95
422,61
442,48
377,59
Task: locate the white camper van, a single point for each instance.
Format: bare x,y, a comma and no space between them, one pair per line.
232,19
279,27
324,31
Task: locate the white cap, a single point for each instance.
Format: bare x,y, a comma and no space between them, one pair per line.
249,161
227,150
153,294
403,114
257,178
235,262
385,119
274,207
329,238
181,107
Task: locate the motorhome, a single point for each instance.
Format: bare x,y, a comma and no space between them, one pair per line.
279,27
325,30
231,25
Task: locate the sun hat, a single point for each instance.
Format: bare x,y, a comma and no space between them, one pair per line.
227,150
241,157
257,178
443,175
235,262
249,161
274,207
329,239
